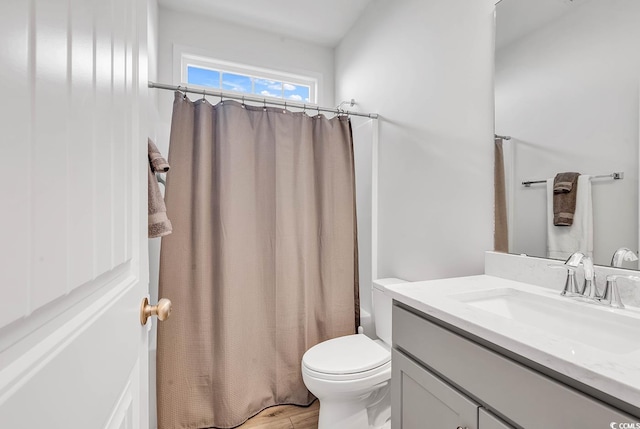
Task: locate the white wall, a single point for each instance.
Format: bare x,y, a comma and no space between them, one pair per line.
426,67
568,94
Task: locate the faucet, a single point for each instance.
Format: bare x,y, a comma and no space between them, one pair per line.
589,288
611,295
621,255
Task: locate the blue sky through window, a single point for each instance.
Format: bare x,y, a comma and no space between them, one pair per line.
236,82
248,84
267,88
203,77
296,92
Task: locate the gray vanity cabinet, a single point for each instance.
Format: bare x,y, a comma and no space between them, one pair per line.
442,379
421,400
486,420
426,402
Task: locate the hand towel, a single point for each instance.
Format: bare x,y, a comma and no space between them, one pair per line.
157,161
564,198
159,223
562,242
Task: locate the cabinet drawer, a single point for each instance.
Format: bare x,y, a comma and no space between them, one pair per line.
517,393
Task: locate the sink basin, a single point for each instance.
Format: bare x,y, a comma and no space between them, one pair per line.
579,321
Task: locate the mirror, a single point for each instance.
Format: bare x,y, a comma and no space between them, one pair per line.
567,75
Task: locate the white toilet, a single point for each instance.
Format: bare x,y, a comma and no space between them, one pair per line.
351,375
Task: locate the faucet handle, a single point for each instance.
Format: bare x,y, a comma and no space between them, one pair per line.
611,295
570,286
590,288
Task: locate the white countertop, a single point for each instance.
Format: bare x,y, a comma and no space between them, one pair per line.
609,371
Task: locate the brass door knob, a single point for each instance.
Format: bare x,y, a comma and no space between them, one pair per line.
162,310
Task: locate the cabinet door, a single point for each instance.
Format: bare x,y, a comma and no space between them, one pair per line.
420,400
487,420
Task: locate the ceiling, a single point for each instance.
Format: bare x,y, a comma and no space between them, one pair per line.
517,18
324,23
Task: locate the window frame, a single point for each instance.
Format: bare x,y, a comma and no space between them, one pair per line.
189,59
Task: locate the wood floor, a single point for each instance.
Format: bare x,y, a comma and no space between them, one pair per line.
285,417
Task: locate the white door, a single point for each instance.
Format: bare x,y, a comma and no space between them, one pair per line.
73,248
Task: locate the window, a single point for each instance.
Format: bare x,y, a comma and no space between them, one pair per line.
242,79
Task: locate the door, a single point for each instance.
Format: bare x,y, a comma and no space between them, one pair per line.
420,400
73,261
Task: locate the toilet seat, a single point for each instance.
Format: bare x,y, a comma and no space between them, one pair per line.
346,358
372,373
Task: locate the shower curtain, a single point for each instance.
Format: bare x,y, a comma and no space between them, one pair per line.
501,232
262,263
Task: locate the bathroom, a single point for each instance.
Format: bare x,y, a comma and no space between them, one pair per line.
424,174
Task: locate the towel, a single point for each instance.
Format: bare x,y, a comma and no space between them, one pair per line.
158,163
562,242
564,198
159,223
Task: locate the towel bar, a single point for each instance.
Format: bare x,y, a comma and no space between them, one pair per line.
615,176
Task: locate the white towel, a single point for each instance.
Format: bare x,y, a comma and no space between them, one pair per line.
562,241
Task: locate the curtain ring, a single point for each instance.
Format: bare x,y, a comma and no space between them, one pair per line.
203,95
221,97
243,105
264,104
183,92
285,107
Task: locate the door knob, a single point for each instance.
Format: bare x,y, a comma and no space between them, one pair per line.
162,310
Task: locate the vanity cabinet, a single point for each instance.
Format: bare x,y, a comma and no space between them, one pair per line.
487,420
425,401
442,379
425,398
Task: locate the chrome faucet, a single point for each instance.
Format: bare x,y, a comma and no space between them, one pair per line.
621,255
611,295
589,288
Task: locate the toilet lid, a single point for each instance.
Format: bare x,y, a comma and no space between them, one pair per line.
346,355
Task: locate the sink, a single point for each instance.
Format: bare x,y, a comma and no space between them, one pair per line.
575,320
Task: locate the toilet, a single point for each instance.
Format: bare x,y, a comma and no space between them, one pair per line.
351,375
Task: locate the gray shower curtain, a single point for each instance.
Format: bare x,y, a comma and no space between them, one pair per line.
262,262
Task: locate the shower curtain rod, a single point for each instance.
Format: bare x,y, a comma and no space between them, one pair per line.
259,100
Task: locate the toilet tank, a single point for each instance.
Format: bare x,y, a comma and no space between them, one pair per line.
382,305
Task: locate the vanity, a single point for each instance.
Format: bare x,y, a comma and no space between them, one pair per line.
485,352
